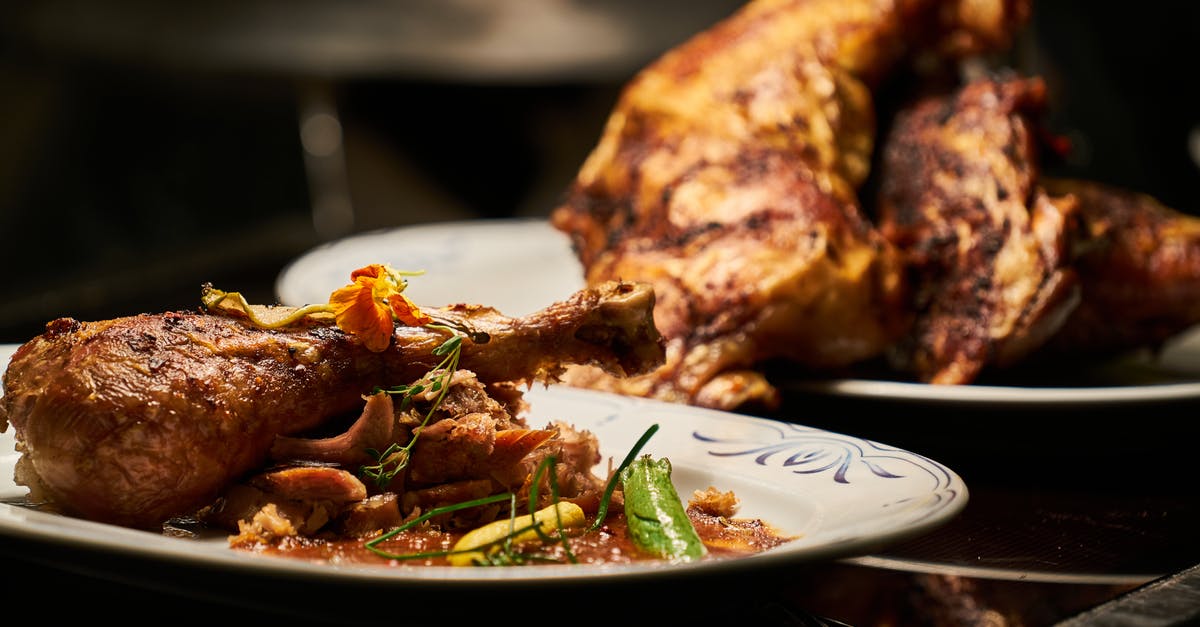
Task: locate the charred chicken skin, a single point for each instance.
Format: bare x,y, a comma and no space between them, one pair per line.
727,177
1139,267
136,420
1007,265
987,249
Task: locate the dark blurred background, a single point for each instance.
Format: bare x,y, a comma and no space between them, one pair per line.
147,147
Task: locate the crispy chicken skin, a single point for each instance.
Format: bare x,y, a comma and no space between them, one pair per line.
987,249
727,177
1139,267
135,420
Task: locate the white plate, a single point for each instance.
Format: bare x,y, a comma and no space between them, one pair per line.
843,496
519,266
1142,377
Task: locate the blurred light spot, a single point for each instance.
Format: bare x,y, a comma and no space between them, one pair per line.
321,135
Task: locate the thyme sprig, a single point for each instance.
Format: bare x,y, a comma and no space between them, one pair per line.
395,458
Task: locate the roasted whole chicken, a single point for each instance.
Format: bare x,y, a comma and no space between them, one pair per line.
739,175
136,420
728,176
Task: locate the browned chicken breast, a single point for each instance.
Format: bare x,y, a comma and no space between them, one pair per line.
986,248
727,177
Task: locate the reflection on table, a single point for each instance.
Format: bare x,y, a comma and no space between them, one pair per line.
1063,517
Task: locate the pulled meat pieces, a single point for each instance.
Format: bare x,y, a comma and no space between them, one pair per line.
465,445
372,430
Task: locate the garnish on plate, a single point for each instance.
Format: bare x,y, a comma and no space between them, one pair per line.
656,521
369,308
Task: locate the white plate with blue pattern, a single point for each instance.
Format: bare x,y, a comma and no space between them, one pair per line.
839,495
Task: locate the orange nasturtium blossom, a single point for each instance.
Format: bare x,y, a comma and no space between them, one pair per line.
370,305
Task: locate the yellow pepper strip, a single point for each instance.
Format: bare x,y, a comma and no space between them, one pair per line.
547,519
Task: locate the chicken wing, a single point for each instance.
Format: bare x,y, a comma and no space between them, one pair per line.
988,250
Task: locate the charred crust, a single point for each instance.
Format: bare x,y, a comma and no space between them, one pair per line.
62,326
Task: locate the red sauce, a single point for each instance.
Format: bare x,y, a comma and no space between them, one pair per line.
610,544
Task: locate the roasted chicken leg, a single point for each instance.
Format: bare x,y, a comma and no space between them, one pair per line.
136,420
727,177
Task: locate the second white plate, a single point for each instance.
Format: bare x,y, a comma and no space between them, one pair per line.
517,266
522,265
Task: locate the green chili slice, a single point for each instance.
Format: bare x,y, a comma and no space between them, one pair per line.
657,520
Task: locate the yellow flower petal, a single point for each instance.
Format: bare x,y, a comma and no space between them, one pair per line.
358,313
373,271
407,311
370,305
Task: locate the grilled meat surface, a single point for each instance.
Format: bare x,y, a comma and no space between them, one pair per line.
1139,268
727,177
135,420
1007,265
987,249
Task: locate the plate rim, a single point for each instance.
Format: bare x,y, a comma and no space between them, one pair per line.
286,281
1012,396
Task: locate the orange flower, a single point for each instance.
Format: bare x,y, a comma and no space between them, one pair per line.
371,304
